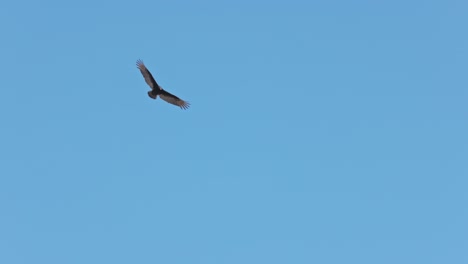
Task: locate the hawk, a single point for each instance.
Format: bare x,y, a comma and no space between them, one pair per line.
158,90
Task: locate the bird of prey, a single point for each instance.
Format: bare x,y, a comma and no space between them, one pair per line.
158,90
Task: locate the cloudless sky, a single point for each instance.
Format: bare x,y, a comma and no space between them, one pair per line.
319,132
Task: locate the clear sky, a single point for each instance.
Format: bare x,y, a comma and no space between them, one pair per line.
319,132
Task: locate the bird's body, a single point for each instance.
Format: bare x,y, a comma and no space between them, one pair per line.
157,90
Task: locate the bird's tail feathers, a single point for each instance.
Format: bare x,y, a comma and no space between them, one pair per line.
152,95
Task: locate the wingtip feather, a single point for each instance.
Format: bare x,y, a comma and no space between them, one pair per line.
139,64
184,105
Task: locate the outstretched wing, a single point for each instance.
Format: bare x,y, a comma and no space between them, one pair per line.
172,99
147,75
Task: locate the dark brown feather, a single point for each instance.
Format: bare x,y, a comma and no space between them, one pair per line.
172,99
147,75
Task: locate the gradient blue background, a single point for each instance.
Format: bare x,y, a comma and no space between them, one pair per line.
319,132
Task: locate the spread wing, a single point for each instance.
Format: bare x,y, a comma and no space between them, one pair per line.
172,99
147,75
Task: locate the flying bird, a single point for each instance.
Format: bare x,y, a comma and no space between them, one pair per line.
158,90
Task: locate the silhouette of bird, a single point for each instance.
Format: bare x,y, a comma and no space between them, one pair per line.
158,90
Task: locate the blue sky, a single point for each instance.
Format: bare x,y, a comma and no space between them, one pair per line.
319,132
